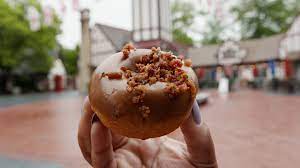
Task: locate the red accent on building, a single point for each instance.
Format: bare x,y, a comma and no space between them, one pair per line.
289,70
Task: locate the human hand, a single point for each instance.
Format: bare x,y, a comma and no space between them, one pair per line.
103,148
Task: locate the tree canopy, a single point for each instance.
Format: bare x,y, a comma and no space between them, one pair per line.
256,18
69,58
183,15
260,18
213,33
21,48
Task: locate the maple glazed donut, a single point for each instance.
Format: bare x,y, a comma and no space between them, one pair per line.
143,93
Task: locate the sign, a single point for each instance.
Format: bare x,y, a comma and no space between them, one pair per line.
230,53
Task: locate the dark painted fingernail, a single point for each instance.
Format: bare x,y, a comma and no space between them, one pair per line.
196,113
95,118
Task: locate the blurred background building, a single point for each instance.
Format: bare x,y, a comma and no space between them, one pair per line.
105,41
269,62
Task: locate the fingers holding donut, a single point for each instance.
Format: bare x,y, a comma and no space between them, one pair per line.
93,137
199,141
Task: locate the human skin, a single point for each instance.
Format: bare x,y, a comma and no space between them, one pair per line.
104,149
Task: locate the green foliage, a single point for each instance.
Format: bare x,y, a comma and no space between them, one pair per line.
12,34
212,35
181,37
260,18
69,58
183,15
20,48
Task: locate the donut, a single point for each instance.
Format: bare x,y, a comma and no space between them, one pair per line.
143,93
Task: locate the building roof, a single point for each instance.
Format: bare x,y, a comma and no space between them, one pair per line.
290,47
117,36
204,56
261,49
257,50
294,28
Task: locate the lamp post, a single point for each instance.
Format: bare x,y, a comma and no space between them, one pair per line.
84,58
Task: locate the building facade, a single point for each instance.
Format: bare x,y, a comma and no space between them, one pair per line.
254,61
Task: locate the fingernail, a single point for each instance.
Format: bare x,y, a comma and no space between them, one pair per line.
95,118
196,113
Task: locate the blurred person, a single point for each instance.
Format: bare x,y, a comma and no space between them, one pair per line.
229,74
280,71
298,74
103,148
219,73
247,76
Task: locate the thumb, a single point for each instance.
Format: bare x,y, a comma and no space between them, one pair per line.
199,142
101,142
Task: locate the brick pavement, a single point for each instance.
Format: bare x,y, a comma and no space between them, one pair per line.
44,130
250,129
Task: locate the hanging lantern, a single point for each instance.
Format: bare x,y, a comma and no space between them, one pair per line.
33,16
75,4
209,3
219,10
48,16
63,7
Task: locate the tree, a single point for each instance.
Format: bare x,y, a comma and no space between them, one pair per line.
260,18
183,15
21,48
24,53
69,58
213,33
13,33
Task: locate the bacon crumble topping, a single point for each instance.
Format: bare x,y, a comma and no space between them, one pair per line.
149,69
188,62
126,50
113,75
145,111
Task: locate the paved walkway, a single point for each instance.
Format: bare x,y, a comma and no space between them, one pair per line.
42,131
6,162
9,100
254,129
250,129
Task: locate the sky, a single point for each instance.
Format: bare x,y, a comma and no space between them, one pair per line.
101,11
118,13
